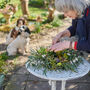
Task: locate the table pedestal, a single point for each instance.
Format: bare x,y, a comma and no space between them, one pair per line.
53,84
63,84
63,76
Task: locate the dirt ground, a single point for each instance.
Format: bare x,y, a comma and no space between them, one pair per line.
44,38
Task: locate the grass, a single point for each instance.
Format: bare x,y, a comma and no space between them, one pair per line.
36,11
4,66
32,10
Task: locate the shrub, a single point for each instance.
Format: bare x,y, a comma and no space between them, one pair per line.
2,20
3,3
36,3
56,22
37,27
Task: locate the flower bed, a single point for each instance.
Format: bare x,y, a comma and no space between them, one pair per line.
48,60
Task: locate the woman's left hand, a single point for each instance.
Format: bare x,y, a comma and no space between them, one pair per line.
60,46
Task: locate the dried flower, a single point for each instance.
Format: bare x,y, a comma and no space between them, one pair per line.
59,64
43,55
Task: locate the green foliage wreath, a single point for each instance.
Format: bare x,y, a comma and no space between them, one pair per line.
48,60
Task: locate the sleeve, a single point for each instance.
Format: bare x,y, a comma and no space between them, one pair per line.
83,45
72,28
75,45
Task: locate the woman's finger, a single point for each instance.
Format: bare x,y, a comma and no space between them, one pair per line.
58,49
54,41
54,47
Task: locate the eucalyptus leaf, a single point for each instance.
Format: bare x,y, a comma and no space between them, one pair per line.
42,58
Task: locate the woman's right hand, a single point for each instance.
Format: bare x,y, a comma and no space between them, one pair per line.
60,35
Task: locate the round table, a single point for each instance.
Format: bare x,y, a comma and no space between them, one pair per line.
54,76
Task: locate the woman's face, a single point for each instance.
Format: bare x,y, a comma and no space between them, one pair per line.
71,14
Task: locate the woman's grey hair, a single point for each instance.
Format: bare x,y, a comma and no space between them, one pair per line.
76,5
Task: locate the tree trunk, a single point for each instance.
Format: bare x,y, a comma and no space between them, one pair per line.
51,12
24,6
51,2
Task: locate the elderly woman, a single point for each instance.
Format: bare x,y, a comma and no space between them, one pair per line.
79,12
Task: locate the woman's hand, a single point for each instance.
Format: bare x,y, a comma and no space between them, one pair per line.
61,34
60,46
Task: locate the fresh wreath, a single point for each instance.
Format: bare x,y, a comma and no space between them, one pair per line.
68,59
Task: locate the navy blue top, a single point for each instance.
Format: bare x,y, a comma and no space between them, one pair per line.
81,27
